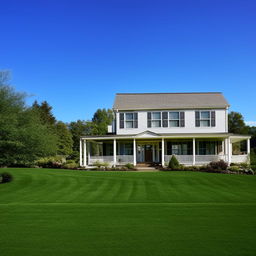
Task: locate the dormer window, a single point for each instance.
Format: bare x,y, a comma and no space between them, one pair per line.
128,120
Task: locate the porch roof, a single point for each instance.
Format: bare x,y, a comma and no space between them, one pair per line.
152,135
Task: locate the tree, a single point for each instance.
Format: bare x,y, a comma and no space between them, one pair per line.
78,129
102,118
22,136
98,126
236,123
65,141
45,113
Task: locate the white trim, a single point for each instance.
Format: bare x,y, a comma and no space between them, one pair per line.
175,136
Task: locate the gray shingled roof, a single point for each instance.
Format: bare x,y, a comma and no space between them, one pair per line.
132,101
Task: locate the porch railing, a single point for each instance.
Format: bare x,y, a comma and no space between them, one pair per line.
239,158
204,159
124,159
108,159
183,159
199,159
120,159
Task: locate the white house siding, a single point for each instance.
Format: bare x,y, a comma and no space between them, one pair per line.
221,123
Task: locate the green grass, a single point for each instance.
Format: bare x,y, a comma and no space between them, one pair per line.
64,212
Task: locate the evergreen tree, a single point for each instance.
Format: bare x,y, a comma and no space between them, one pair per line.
65,141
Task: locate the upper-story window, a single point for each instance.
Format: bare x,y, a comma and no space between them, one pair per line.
154,119
205,118
128,120
166,119
174,119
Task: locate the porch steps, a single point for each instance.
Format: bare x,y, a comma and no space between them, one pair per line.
146,169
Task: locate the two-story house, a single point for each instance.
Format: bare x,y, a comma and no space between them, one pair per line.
151,127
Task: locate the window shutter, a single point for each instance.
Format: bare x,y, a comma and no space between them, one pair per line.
213,119
182,119
197,114
149,119
135,120
121,120
165,119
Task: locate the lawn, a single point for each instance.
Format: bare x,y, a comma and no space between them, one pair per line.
64,212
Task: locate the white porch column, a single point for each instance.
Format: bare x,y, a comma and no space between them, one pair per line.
134,152
162,152
226,150
229,151
248,147
89,153
114,152
80,151
194,151
85,163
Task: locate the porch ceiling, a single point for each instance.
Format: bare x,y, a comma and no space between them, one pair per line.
237,138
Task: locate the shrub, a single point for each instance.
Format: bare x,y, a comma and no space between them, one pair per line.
51,162
234,168
173,163
187,168
244,165
5,177
253,167
218,165
105,164
129,166
70,164
98,164
249,171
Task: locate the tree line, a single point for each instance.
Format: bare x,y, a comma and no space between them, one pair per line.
28,133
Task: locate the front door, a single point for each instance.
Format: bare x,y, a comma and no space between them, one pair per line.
148,154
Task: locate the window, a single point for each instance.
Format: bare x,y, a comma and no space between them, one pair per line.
125,148
205,118
156,119
206,147
166,119
179,148
128,120
174,119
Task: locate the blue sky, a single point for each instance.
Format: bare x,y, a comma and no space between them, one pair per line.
78,54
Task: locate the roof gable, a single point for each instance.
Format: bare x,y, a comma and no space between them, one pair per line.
143,101
147,134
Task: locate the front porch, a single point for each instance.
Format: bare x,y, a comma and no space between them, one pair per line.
189,151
